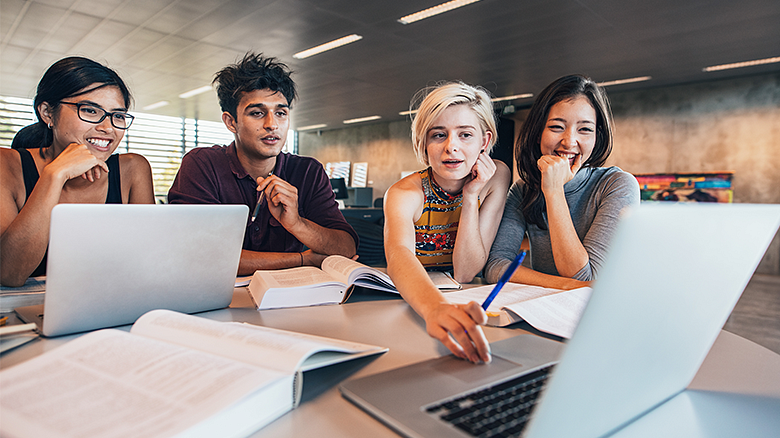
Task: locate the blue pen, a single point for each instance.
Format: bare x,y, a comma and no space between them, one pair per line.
504,278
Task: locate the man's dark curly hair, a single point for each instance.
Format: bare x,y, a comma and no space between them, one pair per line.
254,72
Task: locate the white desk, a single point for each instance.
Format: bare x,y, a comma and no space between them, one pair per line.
736,389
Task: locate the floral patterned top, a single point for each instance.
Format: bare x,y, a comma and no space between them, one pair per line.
437,227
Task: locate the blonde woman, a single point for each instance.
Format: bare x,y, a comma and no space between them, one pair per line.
446,216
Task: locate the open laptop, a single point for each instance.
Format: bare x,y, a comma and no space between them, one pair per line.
109,264
672,276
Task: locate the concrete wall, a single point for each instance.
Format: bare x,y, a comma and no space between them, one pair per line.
386,147
714,126
720,125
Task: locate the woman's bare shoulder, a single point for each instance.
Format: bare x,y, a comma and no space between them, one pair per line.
501,179
406,194
406,186
131,161
10,166
11,178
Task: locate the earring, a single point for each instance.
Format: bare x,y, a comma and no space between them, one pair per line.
50,125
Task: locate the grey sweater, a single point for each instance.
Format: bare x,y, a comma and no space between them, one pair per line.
596,196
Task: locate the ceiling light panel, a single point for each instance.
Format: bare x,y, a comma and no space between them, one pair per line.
742,64
362,119
328,46
195,92
624,81
436,10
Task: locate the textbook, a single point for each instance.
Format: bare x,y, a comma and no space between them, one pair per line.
12,336
332,284
172,374
30,294
552,311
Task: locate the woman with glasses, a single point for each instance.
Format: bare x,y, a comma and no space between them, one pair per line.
81,108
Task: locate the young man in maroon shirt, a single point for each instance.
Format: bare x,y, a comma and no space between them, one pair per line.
292,206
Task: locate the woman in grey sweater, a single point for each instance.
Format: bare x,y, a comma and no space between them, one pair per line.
564,201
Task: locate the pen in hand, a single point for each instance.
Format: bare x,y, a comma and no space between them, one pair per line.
260,199
504,278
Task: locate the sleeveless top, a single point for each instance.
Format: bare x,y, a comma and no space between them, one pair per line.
30,177
437,227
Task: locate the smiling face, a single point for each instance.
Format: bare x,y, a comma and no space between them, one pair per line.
261,124
101,138
570,130
453,143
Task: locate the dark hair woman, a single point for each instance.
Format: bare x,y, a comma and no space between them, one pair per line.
81,108
565,202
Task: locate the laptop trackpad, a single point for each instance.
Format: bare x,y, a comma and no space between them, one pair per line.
468,372
510,355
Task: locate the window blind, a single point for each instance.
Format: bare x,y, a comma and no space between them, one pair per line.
163,140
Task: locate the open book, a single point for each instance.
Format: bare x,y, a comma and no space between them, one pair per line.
552,311
333,284
30,294
173,374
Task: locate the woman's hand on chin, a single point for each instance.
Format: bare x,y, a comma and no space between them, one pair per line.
556,171
77,161
481,173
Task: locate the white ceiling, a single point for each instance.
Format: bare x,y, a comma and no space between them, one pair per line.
163,48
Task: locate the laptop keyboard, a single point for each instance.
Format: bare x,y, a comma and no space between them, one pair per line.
501,410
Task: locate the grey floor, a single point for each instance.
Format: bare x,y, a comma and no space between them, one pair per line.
757,313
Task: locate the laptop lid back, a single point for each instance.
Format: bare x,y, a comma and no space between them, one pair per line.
109,264
672,276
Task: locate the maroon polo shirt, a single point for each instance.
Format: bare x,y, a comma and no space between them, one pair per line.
215,176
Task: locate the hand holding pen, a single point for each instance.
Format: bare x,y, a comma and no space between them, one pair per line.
504,278
260,200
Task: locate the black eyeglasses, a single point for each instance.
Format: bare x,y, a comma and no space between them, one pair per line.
95,114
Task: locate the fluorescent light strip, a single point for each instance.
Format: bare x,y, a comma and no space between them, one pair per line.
156,105
362,119
624,81
742,64
516,96
436,10
307,128
196,91
328,46
497,99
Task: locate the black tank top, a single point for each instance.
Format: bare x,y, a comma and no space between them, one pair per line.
30,176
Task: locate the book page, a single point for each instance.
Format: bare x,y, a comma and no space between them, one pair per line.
110,383
262,346
340,267
511,293
295,277
32,284
349,272
30,294
443,280
558,314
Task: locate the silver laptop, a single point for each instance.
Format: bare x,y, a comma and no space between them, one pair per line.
109,264
672,276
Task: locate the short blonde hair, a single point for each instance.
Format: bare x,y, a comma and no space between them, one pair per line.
434,100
